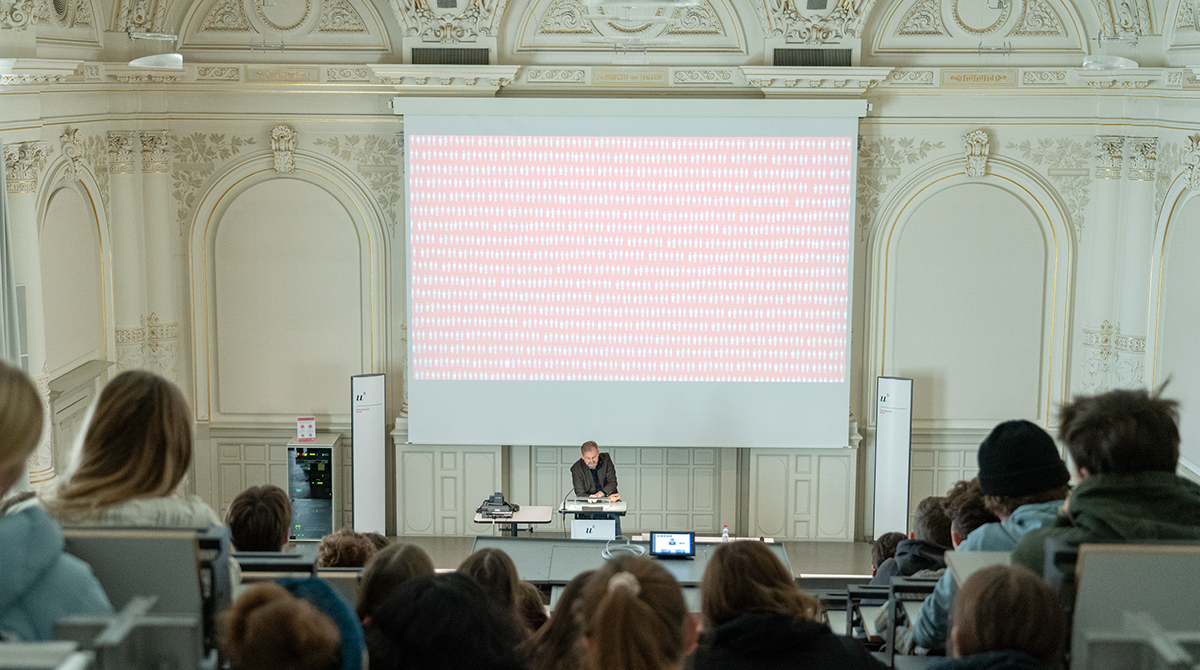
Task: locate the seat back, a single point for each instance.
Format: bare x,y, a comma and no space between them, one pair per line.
133,562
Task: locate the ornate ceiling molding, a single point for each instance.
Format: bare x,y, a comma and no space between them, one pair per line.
478,20
823,81
923,18
33,71
782,19
459,80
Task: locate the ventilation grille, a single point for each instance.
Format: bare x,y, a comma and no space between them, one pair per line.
810,57
450,56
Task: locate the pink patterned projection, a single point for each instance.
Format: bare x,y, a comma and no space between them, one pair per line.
631,258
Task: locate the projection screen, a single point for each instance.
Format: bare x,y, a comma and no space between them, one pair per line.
635,272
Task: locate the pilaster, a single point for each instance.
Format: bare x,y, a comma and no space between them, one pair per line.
129,299
162,258
1099,243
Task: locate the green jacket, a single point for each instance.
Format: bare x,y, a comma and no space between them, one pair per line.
1120,508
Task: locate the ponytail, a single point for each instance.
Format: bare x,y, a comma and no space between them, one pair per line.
635,616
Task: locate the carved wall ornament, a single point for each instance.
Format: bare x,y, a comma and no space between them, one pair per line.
379,160
566,17
92,73
922,77
120,151
161,346
195,158
260,10
696,20
339,16
1043,77
347,74
1038,18
226,16
156,151
923,18
1143,154
20,79
1067,162
975,145
140,16
149,78
232,73
781,18
880,162
476,21
1097,350
557,76
1110,156
1191,162
702,76
981,30
283,144
16,14
72,150
41,12
22,163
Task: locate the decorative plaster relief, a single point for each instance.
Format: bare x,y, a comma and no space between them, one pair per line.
83,13
260,10
701,77
155,152
162,346
120,151
1110,156
796,81
347,74
980,30
283,144
92,73
226,16
913,77
1066,162
696,20
923,18
1038,19
196,157
73,153
566,17
1191,162
1043,77
148,78
556,76
15,15
232,73
22,163
781,18
1130,358
339,16
880,162
145,16
95,154
20,79
976,148
1097,350
477,20
41,462
1143,153
378,161
41,12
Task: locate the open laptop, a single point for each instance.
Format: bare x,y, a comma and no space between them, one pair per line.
673,545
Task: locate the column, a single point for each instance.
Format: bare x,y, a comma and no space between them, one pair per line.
22,163
1133,288
162,269
1099,243
129,298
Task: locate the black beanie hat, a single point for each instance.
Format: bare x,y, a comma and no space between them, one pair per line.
1018,458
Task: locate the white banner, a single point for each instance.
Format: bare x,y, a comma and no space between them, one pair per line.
369,440
893,450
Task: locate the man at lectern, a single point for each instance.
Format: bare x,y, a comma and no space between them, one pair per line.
595,476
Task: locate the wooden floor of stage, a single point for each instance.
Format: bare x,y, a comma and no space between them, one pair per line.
807,558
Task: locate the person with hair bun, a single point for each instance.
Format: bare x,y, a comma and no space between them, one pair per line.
634,617
135,452
270,629
41,584
755,616
497,574
1006,618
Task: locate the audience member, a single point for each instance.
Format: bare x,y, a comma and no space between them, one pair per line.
634,617
378,539
134,454
332,604
531,607
1006,618
756,617
556,645
965,506
269,629
883,548
344,548
390,567
1023,481
497,574
1125,448
41,584
925,546
442,622
259,519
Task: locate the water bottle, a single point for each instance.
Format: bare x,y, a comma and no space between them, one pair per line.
725,533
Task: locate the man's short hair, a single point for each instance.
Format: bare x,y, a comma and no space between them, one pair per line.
588,446
1122,431
259,518
931,524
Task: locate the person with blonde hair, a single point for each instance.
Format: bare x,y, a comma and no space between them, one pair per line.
41,584
1006,618
344,548
755,616
135,452
634,617
556,645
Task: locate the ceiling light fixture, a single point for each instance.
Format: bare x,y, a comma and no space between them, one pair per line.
164,61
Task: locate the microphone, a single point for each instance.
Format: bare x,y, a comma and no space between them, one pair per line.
562,507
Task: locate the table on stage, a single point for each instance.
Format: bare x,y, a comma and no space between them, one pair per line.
530,514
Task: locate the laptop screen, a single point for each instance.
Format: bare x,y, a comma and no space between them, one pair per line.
672,545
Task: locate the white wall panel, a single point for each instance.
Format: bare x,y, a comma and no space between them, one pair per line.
72,285
1178,316
803,494
439,487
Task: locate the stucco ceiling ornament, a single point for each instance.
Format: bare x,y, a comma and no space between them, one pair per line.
73,153
976,147
22,163
226,16
923,18
781,18
566,17
477,20
339,16
140,16
283,144
1039,19
1191,162
15,14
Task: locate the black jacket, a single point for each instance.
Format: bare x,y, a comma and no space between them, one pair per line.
763,641
581,476
993,660
912,556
